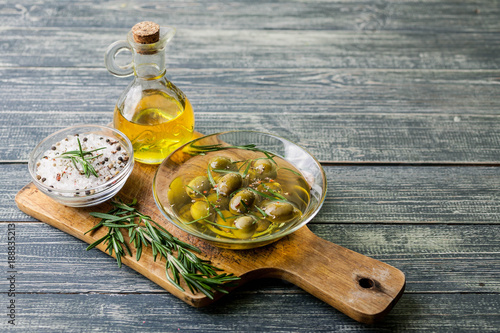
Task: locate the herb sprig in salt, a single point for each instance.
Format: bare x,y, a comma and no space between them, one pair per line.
78,157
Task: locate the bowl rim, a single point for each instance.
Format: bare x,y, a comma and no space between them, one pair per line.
98,189
265,239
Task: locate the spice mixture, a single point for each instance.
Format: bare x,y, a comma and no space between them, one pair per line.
60,173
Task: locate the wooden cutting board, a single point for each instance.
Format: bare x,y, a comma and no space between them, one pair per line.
363,288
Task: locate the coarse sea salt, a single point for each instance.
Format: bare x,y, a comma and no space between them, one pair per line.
60,173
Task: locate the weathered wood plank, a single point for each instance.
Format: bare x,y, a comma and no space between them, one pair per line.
220,48
373,195
248,311
235,57
301,91
322,15
392,138
435,259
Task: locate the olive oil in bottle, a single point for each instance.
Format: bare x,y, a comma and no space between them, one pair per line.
157,126
152,112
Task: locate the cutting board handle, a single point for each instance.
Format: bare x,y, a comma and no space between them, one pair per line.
363,288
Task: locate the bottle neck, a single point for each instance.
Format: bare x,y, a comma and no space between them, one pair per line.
150,65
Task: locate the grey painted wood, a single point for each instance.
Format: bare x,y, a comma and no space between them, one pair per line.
358,83
344,137
435,259
221,48
228,90
249,311
312,15
361,194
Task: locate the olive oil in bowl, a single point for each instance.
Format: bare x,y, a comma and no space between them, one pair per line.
205,188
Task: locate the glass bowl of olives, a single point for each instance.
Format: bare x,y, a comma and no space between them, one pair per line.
239,189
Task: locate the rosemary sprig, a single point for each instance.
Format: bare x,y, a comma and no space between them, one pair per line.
274,197
203,149
181,260
78,157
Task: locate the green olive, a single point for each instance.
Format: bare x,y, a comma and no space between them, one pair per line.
201,209
222,163
220,201
200,184
229,183
242,202
278,211
246,227
263,168
177,195
262,225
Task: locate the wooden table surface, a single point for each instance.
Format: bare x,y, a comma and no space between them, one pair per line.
400,101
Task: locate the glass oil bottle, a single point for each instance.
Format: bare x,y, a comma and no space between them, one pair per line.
152,112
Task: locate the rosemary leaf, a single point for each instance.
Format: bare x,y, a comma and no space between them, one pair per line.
292,171
138,253
224,171
246,170
220,225
200,219
97,242
264,214
125,207
276,194
112,218
210,177
267,196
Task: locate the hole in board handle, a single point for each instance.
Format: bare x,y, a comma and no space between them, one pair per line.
366,283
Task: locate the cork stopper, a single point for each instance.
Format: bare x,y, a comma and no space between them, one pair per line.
146,32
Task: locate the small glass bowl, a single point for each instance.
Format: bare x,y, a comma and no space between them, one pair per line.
297,156
100,193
